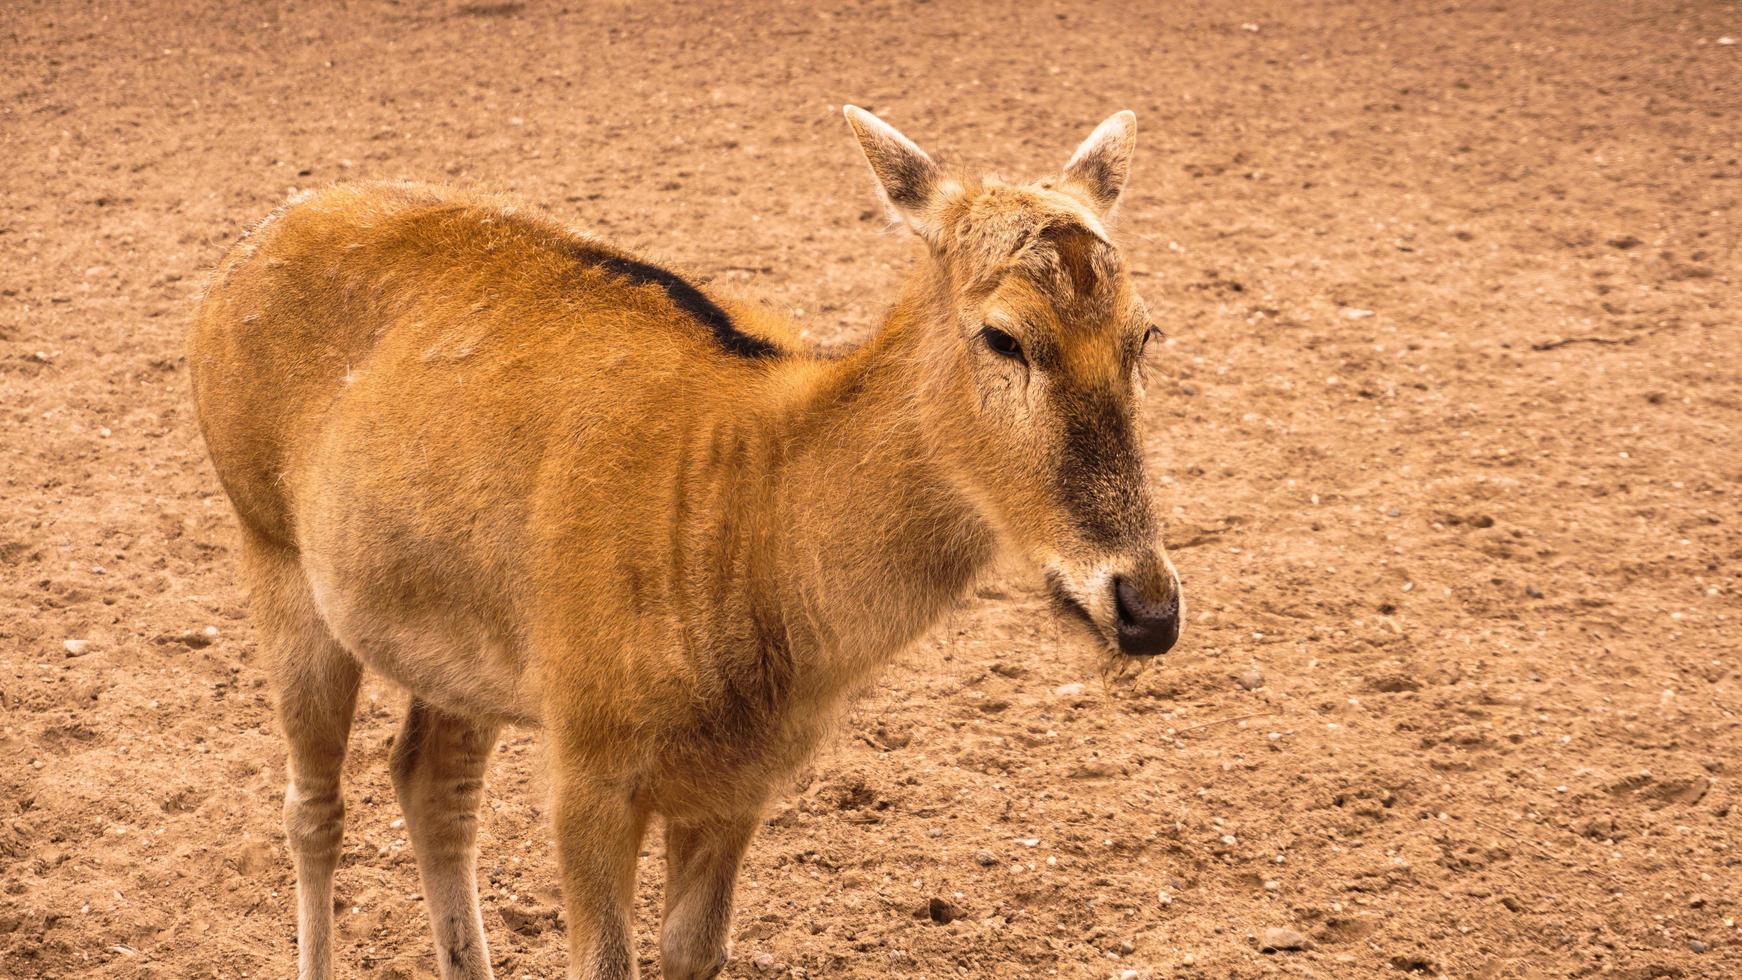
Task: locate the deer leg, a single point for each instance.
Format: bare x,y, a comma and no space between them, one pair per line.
598,829
438,773
702,861
314,682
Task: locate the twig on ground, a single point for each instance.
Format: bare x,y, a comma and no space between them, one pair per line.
1224,721
1564,341
1201,536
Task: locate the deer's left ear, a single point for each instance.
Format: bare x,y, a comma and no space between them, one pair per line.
1100,167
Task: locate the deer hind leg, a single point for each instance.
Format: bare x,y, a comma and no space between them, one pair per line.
314,681
702,861
438,772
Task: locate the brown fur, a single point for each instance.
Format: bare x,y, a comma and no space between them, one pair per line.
469,456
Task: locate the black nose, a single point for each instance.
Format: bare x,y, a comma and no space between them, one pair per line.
1148,625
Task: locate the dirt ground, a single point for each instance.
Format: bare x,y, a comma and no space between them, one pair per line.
1447,428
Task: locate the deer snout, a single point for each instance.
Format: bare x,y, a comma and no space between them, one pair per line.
1148,613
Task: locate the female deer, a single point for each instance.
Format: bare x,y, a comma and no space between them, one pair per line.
537,480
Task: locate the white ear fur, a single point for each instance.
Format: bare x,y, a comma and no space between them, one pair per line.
907,179
1102,164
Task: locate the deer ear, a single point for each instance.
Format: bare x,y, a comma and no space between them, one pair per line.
907,179
1100,167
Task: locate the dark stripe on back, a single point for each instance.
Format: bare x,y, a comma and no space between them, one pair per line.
686,298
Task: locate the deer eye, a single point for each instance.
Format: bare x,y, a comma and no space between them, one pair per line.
1001,343
1153,333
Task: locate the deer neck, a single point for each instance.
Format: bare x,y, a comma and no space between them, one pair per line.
873,541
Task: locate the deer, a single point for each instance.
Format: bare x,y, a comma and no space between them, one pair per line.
536,480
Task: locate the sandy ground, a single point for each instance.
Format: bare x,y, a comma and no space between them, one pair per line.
1447,428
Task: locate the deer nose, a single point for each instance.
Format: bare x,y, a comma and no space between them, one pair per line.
1148,624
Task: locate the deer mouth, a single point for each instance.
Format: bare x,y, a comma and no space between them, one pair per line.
1067,606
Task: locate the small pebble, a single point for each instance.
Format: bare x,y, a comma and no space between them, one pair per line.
985,858
1272,939
1068,690
1251,678
1697,946
764,962
77,648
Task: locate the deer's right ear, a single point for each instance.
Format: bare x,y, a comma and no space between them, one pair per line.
907,179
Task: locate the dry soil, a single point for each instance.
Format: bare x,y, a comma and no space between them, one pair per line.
1446,426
